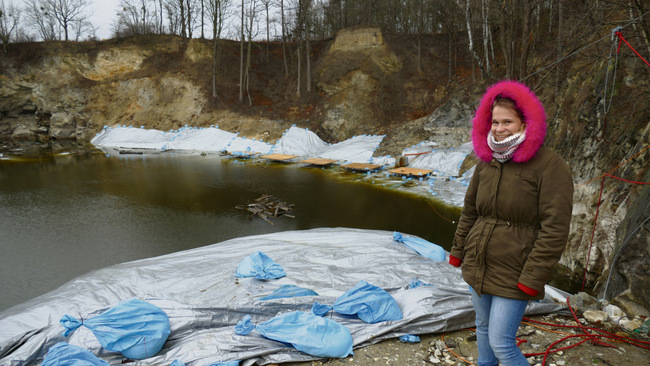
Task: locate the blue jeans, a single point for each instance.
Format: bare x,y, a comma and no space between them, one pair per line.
497,322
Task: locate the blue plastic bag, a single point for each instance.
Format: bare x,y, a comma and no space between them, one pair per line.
320,309
245,326
135,328
409,338
289,291
64,354
370,303
311,334
425,248
417,283
260,266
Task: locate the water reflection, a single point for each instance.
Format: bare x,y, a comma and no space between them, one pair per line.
64,216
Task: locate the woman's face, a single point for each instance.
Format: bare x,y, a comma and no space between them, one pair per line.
505,123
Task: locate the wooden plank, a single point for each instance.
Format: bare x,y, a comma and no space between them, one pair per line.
360,166
240,154
278,157
411,171
318,161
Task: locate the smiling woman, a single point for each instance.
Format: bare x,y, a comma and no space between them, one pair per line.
69,215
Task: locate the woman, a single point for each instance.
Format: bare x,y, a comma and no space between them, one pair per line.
515,220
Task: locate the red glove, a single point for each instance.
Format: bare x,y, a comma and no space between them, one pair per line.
527,290
454,261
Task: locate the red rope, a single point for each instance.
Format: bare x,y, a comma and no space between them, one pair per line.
632,48
625,180
593,232
593,338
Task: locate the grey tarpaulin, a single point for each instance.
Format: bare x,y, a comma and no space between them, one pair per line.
204,301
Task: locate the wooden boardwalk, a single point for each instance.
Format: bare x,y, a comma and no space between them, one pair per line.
240,154
319,161
362,167
279,157
411,172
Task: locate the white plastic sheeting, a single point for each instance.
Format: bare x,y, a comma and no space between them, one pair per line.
358,149
295,141
130,138
204,301
301,142
443,161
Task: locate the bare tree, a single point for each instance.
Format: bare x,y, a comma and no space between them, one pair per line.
468,25
136,17
66,12
217,12
250,32
9,18
266,4
637,11
284,39
42,21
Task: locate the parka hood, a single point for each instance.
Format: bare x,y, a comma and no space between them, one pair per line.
531,109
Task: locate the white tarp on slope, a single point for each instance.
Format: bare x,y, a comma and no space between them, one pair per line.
295,141
358,149
301,142
130,138
204,302
447,161
207,140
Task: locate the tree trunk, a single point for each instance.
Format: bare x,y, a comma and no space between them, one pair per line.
558,45
308,64
472,50
298,93
284,41
241,56
486,34
642,29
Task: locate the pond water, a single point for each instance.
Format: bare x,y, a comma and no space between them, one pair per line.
67,215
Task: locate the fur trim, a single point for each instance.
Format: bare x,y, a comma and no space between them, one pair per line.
531,109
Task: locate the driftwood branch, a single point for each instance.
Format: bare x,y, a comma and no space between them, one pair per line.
267,206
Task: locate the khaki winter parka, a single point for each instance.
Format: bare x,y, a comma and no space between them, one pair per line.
514,224
516,216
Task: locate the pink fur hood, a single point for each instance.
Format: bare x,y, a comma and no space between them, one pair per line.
532,111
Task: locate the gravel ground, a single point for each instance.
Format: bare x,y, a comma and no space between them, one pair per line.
459,348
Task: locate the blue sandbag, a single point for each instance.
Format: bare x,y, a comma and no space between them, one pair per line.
311,334
425,248
289,291
64,354
245,326
135,328
320,309
370,303
260,266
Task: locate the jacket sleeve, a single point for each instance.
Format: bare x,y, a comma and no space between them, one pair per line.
468,215
555,205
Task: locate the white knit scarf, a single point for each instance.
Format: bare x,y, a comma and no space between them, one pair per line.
503,150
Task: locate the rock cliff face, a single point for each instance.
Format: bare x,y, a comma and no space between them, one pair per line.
362,82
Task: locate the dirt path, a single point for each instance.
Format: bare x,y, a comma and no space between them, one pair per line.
455,347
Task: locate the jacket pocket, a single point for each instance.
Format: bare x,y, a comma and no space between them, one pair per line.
472,243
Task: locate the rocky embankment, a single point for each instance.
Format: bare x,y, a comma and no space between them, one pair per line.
362,82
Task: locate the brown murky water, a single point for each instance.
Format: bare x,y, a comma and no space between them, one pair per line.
66,215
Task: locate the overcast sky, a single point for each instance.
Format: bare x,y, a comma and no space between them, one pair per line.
104,14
